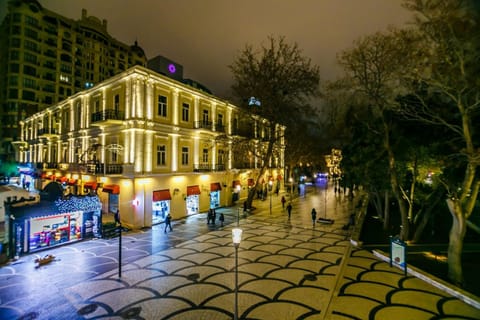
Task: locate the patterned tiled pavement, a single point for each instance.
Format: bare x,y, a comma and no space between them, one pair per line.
287,269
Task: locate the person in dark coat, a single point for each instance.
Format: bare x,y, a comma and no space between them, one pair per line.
168,222
221,218
314,216
289,210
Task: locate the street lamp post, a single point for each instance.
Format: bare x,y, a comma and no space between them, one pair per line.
238,217
326,188
237,238
271,184
291,188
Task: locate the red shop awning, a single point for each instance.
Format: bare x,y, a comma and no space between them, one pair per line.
215,186
72,182
111,188
192,190
90,185
161,195
62,179
235,183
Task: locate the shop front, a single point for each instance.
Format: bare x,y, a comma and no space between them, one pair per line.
53,230
215,189
52,223
193,199
160,205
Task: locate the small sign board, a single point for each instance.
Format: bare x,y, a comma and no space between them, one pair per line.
398,253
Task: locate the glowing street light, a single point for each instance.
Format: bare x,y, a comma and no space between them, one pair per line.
237,238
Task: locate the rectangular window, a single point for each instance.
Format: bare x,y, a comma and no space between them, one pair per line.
29,45
30,70
15,43
116,103
28,95
162,106
96,106
28,57
205,117
205,156
14,67
220,120
13,81
184,156
31,21
14,55
161,155
221,157
29,83
185,112
78,115
31,33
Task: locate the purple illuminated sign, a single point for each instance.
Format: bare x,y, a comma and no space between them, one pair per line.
171,68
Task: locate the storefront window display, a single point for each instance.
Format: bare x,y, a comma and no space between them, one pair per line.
193,200
193,203
52,230
215,189
160,210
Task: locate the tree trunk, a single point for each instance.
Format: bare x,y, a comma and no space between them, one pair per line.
455,245
266,162
427,215
405,230
386,218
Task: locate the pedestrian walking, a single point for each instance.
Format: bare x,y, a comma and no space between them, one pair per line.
168,222
289,210
214,216
209,216
283,202
314,216
244,207
221,218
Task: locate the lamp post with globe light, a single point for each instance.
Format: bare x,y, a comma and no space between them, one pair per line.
237,238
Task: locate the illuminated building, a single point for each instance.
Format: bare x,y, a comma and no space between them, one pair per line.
148,145
46,57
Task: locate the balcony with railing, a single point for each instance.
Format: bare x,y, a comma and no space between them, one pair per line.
48,132
219,127
244,132
108,116
208,167
203,125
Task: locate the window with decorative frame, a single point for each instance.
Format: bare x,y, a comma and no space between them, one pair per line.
205,156
185,112
162,106
161,155
184,156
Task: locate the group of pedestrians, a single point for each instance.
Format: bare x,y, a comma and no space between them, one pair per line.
212,217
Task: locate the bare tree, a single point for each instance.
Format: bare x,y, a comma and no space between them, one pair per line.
273,84
372,68
446,70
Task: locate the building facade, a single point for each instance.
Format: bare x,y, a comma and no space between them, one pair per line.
148,145
46,57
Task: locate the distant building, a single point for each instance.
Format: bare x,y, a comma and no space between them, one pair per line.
46,57
148,145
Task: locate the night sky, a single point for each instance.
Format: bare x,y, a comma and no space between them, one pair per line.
206,35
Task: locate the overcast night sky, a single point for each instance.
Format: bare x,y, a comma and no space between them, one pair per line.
206,35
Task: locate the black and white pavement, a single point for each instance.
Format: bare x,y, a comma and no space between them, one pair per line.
287,269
